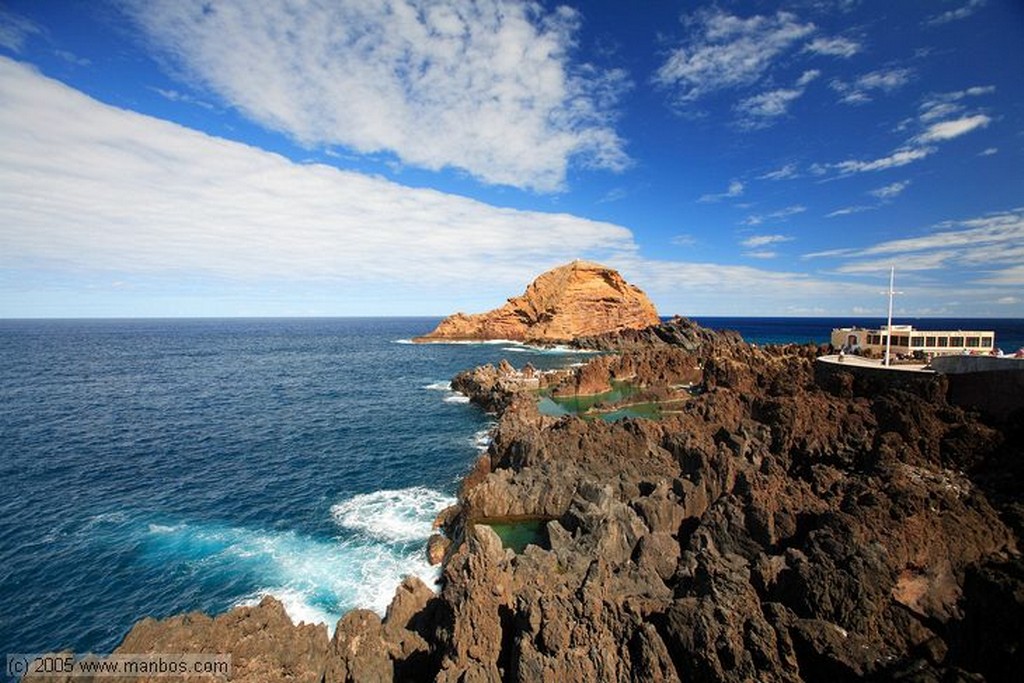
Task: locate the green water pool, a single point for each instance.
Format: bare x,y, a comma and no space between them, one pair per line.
517,534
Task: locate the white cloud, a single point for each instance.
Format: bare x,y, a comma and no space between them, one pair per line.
907,262
991,246
91,188
900,157
735,190
178,96
807,77
780,215
765,240
959,13
785,173
1012,276
761,254
485,86
834,47
693,288
760,110
947,130
849,210
861,89
890,191
945,105
989,151
756,110
726,51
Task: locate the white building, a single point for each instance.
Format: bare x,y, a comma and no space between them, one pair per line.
906,340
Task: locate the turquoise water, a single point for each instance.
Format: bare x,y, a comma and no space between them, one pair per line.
577,405
517,534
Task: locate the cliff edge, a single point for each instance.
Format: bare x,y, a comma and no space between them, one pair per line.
577,299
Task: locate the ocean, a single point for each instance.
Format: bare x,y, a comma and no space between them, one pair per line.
151,467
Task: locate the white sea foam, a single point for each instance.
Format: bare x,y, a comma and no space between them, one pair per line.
396,516
317,580
439,386
456,398
482,439
549,350
471,342
297,605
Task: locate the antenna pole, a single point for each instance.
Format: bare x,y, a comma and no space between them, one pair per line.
892,291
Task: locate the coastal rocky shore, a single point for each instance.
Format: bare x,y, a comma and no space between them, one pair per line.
763,527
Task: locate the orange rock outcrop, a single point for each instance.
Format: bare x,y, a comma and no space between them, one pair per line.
578,299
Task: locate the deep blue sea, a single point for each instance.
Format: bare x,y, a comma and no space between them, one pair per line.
150,467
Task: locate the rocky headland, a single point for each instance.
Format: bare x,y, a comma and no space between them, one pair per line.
575,300
767,528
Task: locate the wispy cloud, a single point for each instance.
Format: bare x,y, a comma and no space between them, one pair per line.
1012,277
780,215
992,246
947,130
900,157
850,210
761,110
764,240
15,30
735,190
694,288
860,90
96,189
890,191
945,105
685,240
784,173
834,47
989,151
72,58
178,96
489,87
957,14
726,51
935,127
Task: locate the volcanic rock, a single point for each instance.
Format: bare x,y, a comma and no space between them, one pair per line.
574,300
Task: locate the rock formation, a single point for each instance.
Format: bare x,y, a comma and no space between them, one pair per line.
578,299
771,529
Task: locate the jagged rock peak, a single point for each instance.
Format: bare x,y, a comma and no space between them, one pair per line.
574,300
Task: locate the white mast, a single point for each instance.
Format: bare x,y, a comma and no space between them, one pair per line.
892,292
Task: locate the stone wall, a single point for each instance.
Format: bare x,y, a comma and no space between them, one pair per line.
992,386
851,379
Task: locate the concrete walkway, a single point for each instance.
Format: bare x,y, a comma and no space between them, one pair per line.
876,363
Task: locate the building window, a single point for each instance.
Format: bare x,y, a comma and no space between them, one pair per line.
986,342
929,341
917,341
972,342
943,341
956,341
900,341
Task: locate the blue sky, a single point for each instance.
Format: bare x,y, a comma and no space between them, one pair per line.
194,158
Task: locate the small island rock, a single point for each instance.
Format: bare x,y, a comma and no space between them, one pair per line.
575,300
